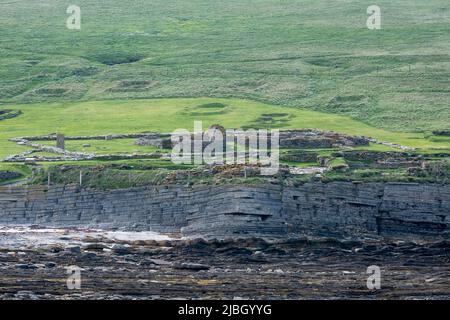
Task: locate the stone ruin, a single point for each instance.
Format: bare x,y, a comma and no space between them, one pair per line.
158,140
381,159
316,139
64,155
296,139
60,142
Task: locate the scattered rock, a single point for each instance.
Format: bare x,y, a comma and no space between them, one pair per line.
160,262
191,266
121,249
25,266
95,247
74,249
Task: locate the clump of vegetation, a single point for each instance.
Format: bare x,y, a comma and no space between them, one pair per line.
271,120
51,91
442,133
438,170
99,177
432,172
10,173
347,103
133,85
214,105
113,58
9,114
299,156
338,164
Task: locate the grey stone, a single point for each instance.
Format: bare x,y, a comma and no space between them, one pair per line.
191,266
74,249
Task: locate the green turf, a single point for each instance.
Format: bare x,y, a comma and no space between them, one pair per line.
166,115
116,146
305,54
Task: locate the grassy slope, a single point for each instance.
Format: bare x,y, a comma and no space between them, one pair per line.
311,54
105,117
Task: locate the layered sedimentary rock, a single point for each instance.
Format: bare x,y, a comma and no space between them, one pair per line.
329,209
333,209
248,211
153,208
424,209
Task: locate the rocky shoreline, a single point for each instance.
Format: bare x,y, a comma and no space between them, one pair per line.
147,267
314,241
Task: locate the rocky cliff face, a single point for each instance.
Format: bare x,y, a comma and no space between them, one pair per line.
332,209
391,209
235,212
161,209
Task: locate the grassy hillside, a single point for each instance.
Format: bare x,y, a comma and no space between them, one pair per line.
166,115
317,55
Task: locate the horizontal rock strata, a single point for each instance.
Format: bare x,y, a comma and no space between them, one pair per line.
330,209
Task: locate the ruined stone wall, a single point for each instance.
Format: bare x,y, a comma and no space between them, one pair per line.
332,209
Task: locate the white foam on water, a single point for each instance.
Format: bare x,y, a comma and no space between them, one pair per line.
135,236
21,236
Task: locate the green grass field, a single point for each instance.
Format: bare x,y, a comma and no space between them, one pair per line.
139,66
166,115
312,55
